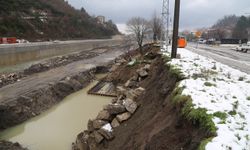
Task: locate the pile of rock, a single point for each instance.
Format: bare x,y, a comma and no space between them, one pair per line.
9,78
5,145
100,130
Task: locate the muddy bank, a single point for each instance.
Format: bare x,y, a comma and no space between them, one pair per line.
28,105
5,145
154,123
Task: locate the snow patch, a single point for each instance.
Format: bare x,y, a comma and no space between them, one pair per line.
107,127
218,88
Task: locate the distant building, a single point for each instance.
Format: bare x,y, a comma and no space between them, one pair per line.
100,19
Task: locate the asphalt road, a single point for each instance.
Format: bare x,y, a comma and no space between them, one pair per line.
224,54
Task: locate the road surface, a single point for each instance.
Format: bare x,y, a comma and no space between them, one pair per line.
224,54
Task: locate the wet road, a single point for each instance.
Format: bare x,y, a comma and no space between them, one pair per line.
224,54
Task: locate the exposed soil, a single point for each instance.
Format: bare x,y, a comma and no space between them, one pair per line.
157,124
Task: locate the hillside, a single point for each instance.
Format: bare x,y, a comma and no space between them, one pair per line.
41,20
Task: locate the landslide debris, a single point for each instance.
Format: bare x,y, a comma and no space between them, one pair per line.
151,121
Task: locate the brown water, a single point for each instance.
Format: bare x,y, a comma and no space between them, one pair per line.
57,128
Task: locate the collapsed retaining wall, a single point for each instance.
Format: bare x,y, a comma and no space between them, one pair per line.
146,119
14,54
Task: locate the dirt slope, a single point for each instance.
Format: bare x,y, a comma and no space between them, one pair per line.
157,124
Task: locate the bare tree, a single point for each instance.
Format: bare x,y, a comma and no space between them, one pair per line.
138,27
156,26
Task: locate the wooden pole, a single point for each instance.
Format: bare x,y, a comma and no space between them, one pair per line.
176,28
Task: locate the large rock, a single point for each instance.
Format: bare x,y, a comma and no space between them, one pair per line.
120,90
115,108
121,60
130,94
90,125
130,83
113,68
130,105
147,67
123,117
97,124
81,141
103,115
115,123
142,72
106,134
139,91
134,78
98,137
114,100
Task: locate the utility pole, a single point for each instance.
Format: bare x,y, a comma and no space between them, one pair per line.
176,28
165,23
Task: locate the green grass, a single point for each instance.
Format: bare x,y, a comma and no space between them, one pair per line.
241,78
209,84
166,58
204,143
198,116
196,65
232,113
175,71
221,115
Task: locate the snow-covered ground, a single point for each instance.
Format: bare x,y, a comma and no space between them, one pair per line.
218,88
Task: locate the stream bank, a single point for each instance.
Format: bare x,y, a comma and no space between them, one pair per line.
56,128
36,93
151,121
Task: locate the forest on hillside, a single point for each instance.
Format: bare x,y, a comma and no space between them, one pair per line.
49,20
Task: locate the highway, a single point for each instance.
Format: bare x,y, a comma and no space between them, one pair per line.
12,54
224,54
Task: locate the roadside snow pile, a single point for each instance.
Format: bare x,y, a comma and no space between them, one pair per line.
221,90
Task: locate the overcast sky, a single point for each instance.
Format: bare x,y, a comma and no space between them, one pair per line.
194,13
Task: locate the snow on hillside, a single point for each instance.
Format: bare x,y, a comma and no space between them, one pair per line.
218,88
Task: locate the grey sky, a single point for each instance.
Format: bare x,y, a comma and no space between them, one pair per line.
194,13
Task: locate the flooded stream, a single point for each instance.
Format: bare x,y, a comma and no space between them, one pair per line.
57,128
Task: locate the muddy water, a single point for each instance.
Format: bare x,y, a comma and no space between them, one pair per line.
57,128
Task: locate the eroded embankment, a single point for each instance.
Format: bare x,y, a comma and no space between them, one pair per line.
157,122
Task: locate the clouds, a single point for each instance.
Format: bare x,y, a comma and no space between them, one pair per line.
194,13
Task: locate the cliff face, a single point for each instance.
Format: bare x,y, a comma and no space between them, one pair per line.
41,20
